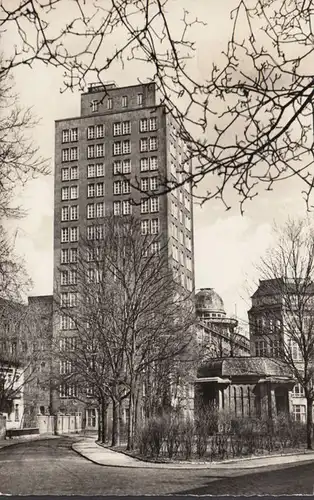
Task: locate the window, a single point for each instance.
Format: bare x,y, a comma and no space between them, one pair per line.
126,187
153,163
152,143
144,226
175,253
126,207
64,174
116,207
154,204
73,173
64,214
73,192
155,226
73,154
144,125
144,164
74,212
126,166
65,154
117,128
144,145
91,171
68,391
299,413
99,131
72,277
144,184
100,189
64,235
155,247
117,187
65,135
100,209
124,101
109,103
144,205
139,99
90,190
154,183
126,128
74,233
90,232
73,255
274,348
91,132
99,150
90,211
260,348
295,351
64,277
91,151
63,303
298,391
126,147
94,106
153,123
73,134
64,256
100,170
117,148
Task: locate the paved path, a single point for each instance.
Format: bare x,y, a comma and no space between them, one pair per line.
51,467
100,455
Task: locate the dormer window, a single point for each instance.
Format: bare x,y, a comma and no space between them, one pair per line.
94,105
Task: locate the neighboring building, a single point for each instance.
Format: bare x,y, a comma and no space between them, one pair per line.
217,331
121,138
12,394
245,386
37,391
267,318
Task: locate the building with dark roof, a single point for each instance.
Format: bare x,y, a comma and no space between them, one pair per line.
245,386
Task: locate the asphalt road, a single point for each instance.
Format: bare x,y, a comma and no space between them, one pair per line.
50,467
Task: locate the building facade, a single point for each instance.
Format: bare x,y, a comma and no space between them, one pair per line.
268,331
215,329
115,158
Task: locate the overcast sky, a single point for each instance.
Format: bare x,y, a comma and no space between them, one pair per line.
226,243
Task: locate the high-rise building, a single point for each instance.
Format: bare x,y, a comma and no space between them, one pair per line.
118,151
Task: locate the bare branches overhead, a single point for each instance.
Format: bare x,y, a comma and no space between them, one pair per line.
248,125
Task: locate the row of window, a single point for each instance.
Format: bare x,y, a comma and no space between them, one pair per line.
118,148
177,233
67,343
119,167
182,258
124,102
150,226
272,348
69,213
183,199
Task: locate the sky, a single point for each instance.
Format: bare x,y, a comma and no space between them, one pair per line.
227,244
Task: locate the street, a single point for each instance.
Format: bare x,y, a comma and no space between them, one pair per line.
50,467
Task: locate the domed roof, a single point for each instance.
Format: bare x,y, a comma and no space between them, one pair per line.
208,300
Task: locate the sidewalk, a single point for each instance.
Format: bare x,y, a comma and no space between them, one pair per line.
99,455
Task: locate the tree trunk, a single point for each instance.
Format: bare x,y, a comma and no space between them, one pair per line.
99,423
115,441
131,420
309,423
104,421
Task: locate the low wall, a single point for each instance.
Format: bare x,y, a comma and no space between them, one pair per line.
16,433
60,424
2,427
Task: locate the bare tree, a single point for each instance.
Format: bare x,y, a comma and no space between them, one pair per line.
249,123
283,318
20,160
128,305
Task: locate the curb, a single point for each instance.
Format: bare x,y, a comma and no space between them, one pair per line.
142,464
